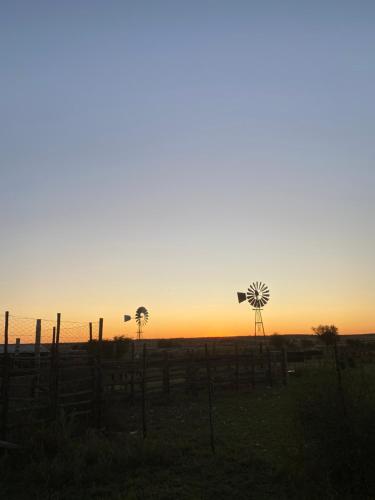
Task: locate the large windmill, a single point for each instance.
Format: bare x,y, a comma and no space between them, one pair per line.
257,295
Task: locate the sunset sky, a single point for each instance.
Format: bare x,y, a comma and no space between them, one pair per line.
169,153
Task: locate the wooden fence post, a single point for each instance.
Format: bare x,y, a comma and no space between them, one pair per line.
6,333
58,327
38,335
214,353
144,421
253,361
90,332
284,365
188,371
99,377
35,381
17,347
237,368
269,367
132,373
52,372
55,369
53,340
166,378
5,381
209,388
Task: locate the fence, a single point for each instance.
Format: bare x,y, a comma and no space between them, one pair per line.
45,372
25,333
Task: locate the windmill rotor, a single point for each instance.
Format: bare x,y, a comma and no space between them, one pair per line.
258,294
141,316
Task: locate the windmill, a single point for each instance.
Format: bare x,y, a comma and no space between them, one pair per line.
257,295
141,317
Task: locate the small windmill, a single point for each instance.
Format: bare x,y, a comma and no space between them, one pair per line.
257,295
141,317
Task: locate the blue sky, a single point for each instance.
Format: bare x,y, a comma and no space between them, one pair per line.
168,153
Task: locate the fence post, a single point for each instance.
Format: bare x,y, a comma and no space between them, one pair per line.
214,353
38,334
5,381
269,366
284,365
209,388
166,381
90,332
6,333
52,371
132,368
17,347
53,340
58,327
55,368
253,361
144,422
237,368
261,356
99,378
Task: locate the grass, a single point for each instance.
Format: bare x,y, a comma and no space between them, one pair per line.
271,444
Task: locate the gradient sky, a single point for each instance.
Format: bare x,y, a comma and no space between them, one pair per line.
168,153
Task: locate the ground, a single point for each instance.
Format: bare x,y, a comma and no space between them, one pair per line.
260,441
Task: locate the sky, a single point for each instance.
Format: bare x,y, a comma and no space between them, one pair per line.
169,153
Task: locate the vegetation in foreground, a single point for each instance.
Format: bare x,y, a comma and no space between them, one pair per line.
307,441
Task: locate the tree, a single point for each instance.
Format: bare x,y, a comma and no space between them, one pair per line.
327,334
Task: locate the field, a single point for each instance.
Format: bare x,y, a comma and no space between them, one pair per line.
306,440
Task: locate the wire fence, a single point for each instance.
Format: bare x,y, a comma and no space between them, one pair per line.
22,332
